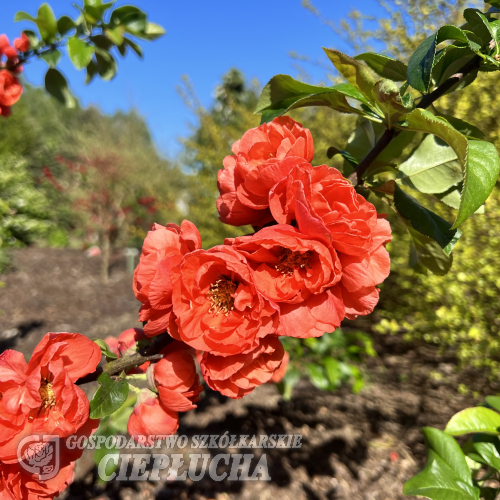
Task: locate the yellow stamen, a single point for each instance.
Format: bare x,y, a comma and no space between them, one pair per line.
289,261
220,295
47,394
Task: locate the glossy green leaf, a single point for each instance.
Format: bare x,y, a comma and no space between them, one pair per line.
385,66
356,73
493,401
426,254
52,58
65,24
453,59
91,71
47,23
105,349
57,86
109,397
478,419
479,25
465,128
488,447
423,220
332,151
129,16
283,93
481,173
432,168
422,60
438,481
80,52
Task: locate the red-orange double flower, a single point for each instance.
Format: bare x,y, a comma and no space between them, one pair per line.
256,166
216,304
163,249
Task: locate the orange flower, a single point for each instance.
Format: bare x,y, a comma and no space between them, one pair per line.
22,44
216,305
163,249
40,397
279,374
151,418
10,89
175,378
256,166
288,266
236,376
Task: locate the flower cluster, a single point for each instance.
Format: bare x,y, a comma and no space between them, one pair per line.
10,87
316,257
40,398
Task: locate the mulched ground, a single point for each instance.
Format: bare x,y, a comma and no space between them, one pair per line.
355,447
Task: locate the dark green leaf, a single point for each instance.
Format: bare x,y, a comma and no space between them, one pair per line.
454,58
332,151
384,66
425,254
136,48
463,127
132,18
283,93
488,448
91,71
106,65
471,420
52,57
47,23
80,52
65,24
109,397
353,71
422,60
56,85
493,401
479,25
432,168
423,220
481,173
105,350
102,42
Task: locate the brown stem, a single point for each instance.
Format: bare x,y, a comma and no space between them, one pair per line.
147,353
425,102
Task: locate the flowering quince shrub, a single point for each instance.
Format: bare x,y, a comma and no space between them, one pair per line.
244,311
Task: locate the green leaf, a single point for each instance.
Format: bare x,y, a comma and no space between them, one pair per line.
283,93
432,168
385,66
477,419
423,220
332,151
332,369
65,24
488,447
479,25
493,401
136,48
449,450
353,71
481,173
132,18
80,52
46,22
57,86
52,58
465,128
153,31
317,376
91,71
422,60
438,481
102,42
24,16
390,100
453,59
425,253
105,349
33,38
109,397
106,65
116,34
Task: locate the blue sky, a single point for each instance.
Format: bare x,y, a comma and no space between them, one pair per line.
204,39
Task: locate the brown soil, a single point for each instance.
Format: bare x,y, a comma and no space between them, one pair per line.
355,447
